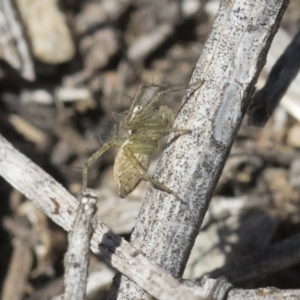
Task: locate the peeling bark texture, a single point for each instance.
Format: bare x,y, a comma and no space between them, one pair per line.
230,63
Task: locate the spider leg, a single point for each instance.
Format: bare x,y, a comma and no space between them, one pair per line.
159,185
176,130
165,89
140,91
92,159
157,134
129,151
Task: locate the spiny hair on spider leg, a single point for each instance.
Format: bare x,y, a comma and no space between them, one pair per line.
99,138
154,92
161,92
117,120
128,97
116,124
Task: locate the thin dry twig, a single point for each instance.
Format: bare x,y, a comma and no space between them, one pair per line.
19,269
51,198
268,293
77,256
282,74
13,43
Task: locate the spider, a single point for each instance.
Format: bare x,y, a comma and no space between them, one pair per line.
145,126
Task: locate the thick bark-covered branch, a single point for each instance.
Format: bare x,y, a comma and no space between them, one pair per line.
230,63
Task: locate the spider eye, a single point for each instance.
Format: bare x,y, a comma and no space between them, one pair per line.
137,109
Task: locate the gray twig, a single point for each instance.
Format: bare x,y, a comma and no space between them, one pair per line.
51,198
77,258
13,43
19,269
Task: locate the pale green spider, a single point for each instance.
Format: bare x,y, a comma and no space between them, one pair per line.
145,126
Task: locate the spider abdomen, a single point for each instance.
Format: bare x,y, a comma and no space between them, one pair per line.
126,174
